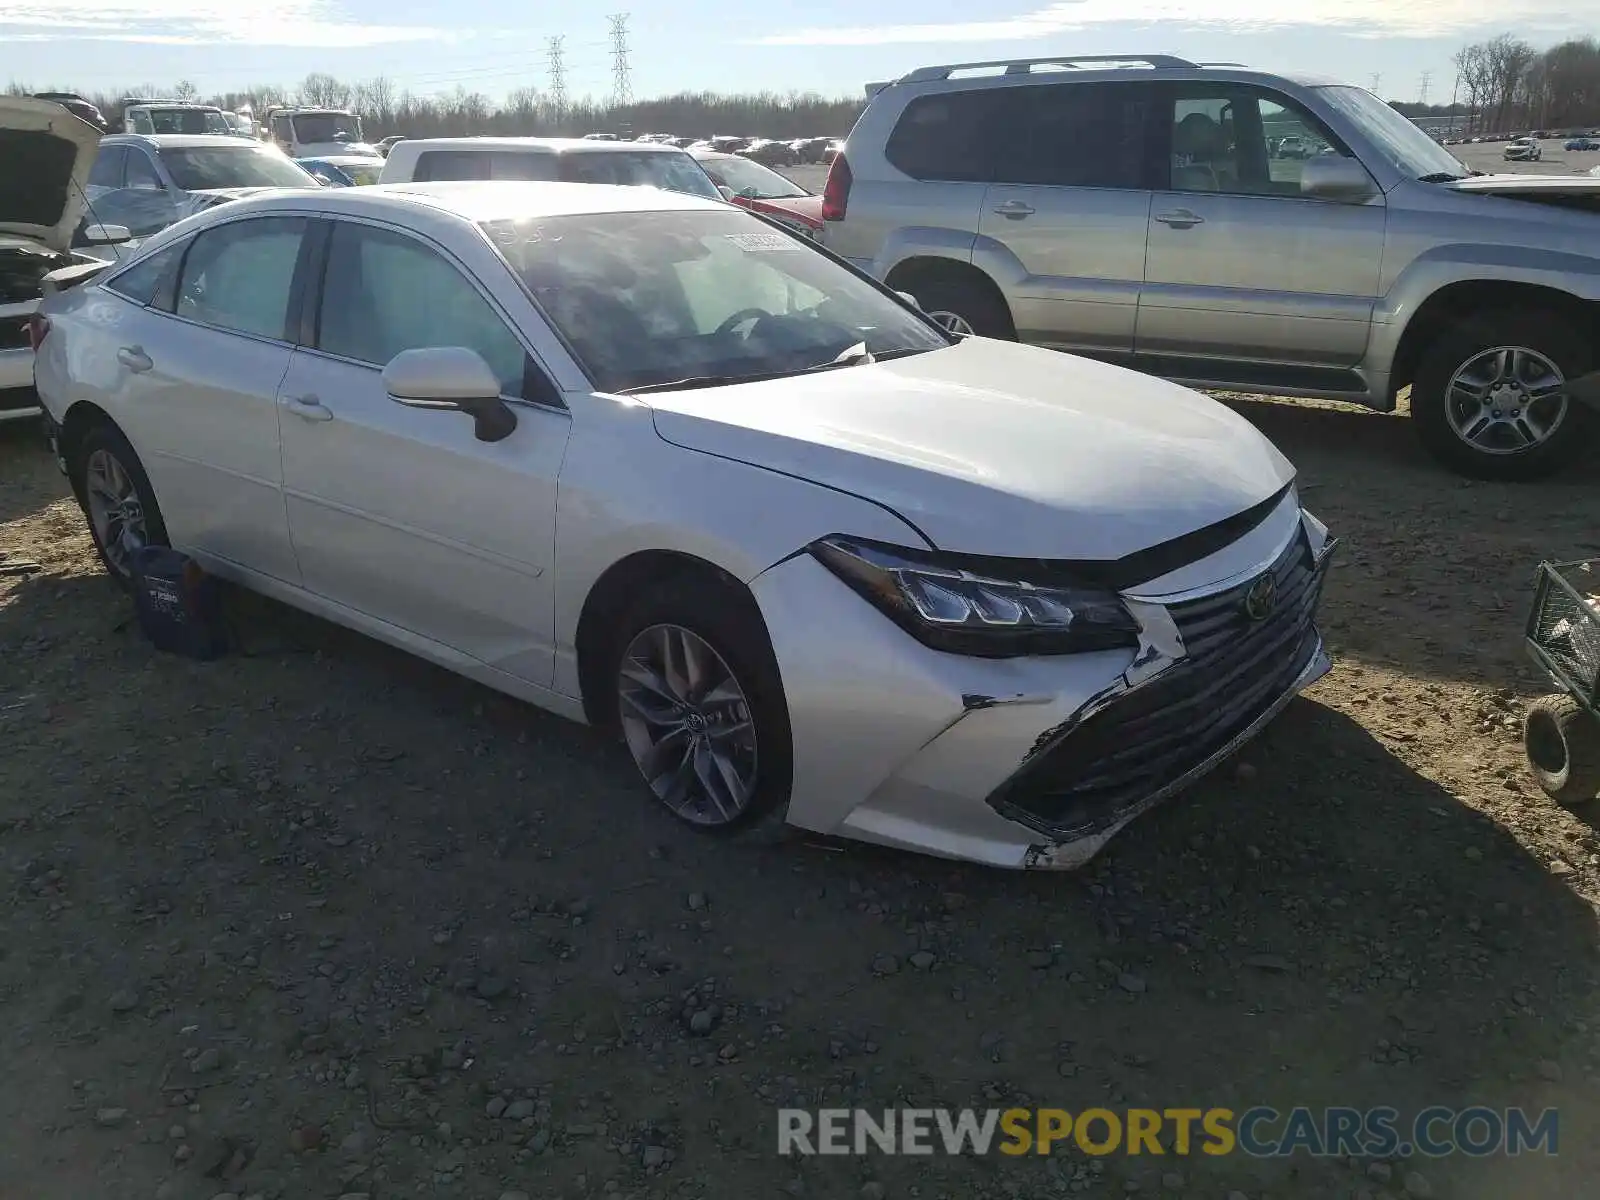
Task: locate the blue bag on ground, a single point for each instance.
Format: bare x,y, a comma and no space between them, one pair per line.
178,606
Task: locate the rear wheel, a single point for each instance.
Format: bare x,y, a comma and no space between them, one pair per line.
1488,398
965,307
117,499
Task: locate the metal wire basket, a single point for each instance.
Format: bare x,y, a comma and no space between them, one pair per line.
1564,627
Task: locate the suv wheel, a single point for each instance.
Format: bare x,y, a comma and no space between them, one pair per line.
965,308
1488,398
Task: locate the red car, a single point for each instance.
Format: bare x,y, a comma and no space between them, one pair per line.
760,189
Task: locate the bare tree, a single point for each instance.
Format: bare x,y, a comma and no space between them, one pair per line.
185,90
324,91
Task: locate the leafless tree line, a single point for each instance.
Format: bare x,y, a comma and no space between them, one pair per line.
387,109
1506,84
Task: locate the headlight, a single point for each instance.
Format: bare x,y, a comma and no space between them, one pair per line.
947,606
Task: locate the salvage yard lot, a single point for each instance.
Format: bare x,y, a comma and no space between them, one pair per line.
298,923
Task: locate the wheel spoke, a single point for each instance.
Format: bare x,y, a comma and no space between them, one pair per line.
722,733
650,708
639,672
1478,428
718,780
1523,430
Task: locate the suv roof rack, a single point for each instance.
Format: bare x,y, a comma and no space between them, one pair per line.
1025,66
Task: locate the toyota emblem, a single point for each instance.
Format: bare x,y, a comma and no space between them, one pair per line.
1262,596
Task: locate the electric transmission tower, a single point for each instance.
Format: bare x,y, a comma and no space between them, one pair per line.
621,84
1427,78
558,74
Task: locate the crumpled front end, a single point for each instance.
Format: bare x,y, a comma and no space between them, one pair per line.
1038,762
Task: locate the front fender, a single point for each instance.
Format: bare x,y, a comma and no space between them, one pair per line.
624,490
1440,266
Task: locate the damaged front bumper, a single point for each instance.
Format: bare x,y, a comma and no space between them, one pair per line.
1038,762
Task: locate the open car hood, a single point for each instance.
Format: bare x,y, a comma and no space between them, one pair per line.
47,153
1511,185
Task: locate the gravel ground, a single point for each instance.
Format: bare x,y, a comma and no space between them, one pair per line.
323,921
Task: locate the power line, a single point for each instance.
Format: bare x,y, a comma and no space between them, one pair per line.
621,83
558,74
1427,78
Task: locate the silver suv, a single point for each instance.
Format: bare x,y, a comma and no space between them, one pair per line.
1144,210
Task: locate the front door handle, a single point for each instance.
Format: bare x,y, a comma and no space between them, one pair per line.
135,359
307,408
1181,219
1015,209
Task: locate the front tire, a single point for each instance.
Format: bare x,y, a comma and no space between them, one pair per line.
699,700
1486,398
117,500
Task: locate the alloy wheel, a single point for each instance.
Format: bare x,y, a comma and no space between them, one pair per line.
688,725
1506,400
115,509
952,322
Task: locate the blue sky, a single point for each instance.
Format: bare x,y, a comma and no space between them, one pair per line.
732,45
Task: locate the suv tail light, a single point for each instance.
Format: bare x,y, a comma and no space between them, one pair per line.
836,192
37,327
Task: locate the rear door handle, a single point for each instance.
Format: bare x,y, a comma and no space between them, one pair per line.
1015,209
1181,219
307,408
135,359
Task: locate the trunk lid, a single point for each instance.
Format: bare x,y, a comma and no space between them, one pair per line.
47,153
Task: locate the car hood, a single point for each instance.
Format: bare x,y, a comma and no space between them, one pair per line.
47,153
993,448
1511,185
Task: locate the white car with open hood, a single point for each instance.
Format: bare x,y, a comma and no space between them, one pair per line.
45,154
647,461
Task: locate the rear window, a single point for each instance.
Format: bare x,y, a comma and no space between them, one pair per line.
449,165
673,172
947,137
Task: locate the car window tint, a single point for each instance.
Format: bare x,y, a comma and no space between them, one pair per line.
1242,141
1081,135
451,164
107,169
517,165
384,292
238,276
142,281
947,137
142,172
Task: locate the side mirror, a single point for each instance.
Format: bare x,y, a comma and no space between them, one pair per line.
911,300
107,235
451,379
1334,177
727,192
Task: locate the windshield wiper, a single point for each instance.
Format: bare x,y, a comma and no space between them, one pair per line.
853,356
1439,177
693,382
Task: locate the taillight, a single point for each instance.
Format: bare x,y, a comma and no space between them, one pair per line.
37,327
836,192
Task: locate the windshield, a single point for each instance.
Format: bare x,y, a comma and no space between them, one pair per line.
649,299
326,127
197,168
1413,152
186,120
741,175
674,172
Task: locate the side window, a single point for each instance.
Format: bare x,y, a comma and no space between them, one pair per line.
282,130
142,122
148,281
238,276
1077,135
947,137
451,164
384,292
1241,140
142,172
107,169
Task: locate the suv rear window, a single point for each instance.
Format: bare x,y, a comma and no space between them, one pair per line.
947,137
445,165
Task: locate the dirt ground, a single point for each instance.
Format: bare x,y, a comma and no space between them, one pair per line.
324,921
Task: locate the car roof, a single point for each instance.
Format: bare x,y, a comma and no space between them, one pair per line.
477,201
551,145
177,141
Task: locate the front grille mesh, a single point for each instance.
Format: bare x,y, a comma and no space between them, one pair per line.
1235,670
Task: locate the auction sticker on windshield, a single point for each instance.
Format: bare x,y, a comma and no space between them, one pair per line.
758,243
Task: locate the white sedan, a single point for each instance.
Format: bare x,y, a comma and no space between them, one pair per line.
647,461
